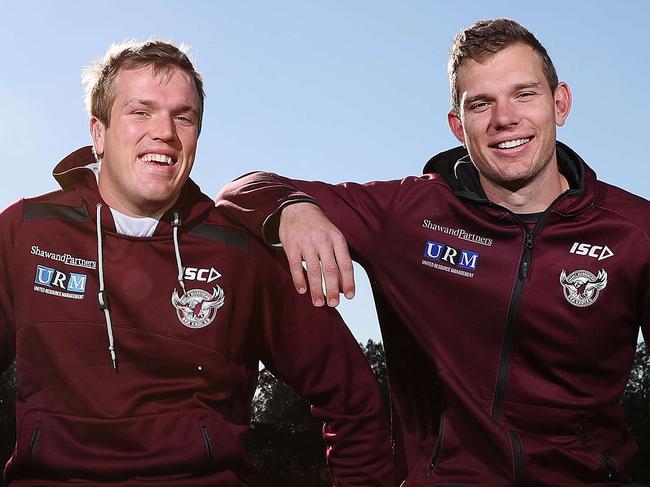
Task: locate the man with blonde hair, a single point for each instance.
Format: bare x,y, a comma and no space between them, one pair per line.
138,313
510,283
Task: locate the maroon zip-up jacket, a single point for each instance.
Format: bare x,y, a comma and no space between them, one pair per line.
508,343
175,409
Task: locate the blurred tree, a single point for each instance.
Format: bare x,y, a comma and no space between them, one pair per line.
375,354
285,440
7,415
636,404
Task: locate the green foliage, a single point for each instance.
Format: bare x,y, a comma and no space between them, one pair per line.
375,354
285,440
7,415
636,404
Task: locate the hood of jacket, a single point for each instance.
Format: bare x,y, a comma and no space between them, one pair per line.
458,171
75,172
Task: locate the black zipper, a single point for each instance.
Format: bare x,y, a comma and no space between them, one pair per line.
524,266
522,274
33,444
500,389
207,442
518,457
438,446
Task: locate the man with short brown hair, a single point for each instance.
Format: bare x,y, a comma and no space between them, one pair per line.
510,283
138,312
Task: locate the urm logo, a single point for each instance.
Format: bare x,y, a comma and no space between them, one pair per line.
50,277
465,259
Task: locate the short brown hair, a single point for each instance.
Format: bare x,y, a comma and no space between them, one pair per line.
487,37
162,56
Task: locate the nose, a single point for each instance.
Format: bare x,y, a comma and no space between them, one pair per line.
163,127
504,115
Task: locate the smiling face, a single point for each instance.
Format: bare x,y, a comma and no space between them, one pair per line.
148,149
507,121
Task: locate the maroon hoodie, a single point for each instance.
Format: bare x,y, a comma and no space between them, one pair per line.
170,404
508,343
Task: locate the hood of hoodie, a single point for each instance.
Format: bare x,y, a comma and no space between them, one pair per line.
75,172
458,171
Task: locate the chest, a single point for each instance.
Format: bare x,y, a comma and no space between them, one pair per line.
57,279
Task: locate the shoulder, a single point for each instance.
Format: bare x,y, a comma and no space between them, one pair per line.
66,205
627,206
408,187
22,209
216,227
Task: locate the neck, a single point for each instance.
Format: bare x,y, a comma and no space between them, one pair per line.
138,209
533,197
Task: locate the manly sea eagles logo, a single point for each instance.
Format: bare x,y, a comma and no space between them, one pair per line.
197,308
581,288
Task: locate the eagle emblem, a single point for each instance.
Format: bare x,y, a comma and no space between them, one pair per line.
197,308
581,287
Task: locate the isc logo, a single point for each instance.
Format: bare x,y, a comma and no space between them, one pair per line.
203,275
464,259
597,251
47,276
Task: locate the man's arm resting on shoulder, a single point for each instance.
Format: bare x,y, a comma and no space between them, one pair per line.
281,210
312,351
272,208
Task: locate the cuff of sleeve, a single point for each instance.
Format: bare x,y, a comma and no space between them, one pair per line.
271,224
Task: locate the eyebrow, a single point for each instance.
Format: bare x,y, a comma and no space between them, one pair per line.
153,104
517,87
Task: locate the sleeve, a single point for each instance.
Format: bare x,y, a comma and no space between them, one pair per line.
311,350
360,211
8,224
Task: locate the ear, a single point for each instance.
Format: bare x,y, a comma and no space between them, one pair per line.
562,99
97,132
456,126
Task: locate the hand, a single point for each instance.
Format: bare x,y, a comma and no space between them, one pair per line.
307,234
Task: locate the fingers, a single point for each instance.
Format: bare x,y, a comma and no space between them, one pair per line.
345,267
314,276
306,234
294,257
330,270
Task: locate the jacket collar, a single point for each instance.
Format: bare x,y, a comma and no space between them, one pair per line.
74,173
460,174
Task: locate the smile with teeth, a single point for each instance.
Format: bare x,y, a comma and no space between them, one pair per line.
158,158
509,144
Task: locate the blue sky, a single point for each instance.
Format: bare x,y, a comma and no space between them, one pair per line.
337,90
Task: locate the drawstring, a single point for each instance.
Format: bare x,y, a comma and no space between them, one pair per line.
102,297
176,223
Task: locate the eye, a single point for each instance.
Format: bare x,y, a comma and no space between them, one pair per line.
526,94
184,119
140,113
479,106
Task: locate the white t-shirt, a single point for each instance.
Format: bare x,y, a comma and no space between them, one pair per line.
135,226
132,226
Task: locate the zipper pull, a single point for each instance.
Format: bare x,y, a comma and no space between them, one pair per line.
528,247
581,436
